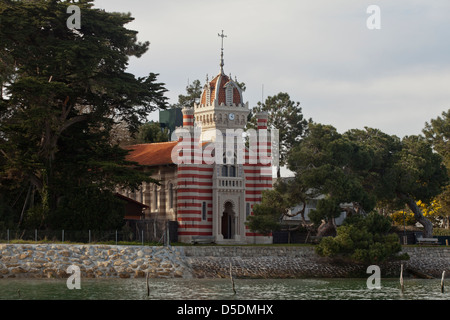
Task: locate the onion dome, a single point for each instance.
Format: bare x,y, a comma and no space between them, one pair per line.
221,90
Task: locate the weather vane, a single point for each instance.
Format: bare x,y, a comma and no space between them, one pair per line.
221,55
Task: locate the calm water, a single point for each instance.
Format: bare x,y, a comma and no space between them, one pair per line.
221,289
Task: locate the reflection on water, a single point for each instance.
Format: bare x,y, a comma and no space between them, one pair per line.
221,289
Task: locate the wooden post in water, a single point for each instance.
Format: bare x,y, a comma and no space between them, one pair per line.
401,278
442,281
232,280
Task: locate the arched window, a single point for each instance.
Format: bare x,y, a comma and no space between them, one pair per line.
229,167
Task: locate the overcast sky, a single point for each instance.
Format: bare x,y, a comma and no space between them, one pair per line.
320,52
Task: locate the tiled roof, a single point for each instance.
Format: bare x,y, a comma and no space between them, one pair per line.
151,154
219,83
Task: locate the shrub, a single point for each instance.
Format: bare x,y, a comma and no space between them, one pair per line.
363,240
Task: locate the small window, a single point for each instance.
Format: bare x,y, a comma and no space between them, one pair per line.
229,95
204,211
208,96
247,209
171,196
224,171
232,171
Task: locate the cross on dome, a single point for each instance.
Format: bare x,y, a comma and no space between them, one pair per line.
221,54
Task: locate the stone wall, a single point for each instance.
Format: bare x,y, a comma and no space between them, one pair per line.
429,260
303,262
95,261
103,261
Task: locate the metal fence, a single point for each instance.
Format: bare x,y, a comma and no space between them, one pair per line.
135,231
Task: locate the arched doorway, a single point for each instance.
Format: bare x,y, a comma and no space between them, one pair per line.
228,221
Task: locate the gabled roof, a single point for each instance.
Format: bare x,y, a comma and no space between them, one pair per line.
151,154
132,201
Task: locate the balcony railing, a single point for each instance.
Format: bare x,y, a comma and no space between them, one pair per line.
230,183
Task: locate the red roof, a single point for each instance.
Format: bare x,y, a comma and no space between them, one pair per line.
219,83
151,154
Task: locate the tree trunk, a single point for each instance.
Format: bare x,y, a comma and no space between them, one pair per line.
326,228
303,222
418,215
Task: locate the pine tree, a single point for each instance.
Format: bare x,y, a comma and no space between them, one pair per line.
62,95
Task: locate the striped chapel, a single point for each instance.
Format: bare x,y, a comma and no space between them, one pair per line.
210,201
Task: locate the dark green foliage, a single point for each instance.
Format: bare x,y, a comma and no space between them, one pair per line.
193,93
152,132
76,212
437,132
286,116
363,240
364,167
275,204
330,164
264,219
59,102
325,208
267,214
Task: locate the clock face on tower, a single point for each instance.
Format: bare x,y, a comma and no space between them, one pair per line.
231,116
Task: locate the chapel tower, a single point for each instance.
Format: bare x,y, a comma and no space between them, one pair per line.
221,105
215,199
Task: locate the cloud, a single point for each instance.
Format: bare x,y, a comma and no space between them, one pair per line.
320,52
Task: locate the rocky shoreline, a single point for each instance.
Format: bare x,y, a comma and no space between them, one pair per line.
109,261
94,261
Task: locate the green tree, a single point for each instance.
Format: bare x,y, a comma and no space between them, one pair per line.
329,164
419,175
193,93
66,91
363,167
286,116
152,132
276,204
437,132
363,239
